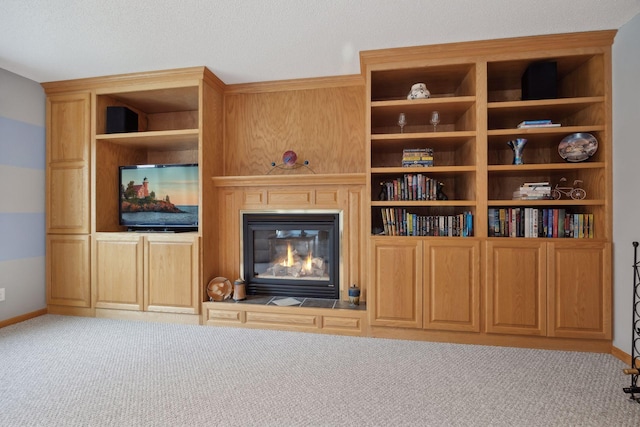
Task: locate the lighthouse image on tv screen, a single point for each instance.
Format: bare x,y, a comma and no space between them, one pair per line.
159,197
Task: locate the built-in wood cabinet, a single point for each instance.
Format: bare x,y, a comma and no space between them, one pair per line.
554,289
68,270
429,262
579,290
68,221
426,284
147,272
516,287
118,260
396,294
545,286
179,121
68,136
451,280
171,282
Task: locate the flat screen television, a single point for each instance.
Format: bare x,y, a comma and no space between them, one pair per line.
159,197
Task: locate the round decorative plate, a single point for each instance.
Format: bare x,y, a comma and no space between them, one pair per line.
578,147
219,289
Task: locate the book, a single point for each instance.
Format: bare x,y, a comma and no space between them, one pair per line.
537,123
413,151
548,125
536,184
417,163
534,122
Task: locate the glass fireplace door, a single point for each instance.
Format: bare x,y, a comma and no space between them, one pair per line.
291,254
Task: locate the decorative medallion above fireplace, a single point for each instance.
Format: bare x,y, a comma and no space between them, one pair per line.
291,253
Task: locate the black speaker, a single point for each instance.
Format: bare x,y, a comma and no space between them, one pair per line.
540,81
121,119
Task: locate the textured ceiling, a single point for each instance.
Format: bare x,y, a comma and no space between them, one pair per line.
253,40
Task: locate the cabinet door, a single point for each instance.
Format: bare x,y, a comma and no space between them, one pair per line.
68,140
452,285
68,271
171,281
118,261
516,289
397,283
580,290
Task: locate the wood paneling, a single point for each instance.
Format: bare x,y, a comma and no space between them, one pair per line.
307,319
303,193
323,126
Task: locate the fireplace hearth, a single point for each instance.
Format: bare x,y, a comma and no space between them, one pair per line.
291,253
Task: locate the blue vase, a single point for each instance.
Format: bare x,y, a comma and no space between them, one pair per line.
517,145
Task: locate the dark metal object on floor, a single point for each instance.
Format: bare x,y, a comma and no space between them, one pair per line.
634,371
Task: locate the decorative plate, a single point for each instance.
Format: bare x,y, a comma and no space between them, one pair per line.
578,147
219,289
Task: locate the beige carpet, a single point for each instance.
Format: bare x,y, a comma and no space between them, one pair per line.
69,371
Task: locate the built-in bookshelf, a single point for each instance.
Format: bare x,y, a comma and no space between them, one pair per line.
479,100
443,189
581,107
534,220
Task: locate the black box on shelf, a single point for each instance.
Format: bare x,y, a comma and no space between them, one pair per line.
121,119
540,81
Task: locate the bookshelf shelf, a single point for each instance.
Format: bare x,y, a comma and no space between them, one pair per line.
517,169
170,139
425,203
425,171
543,203
552,131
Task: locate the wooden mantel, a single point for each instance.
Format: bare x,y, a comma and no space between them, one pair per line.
290,180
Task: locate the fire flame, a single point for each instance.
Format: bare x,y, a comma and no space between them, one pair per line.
289,261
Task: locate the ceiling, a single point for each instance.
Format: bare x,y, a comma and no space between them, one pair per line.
262,40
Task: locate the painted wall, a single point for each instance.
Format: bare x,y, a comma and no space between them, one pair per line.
626,193
22,195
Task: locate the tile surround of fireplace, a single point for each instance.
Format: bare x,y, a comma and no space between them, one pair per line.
292,253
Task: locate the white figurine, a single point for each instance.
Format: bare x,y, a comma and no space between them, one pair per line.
419,91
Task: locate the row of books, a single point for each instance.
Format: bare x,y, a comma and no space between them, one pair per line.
410,187
538,222
399,222
422,157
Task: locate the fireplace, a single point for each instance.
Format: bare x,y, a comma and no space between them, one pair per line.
291,253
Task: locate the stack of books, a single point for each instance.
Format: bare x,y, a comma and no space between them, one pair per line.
421,157
537,124
533,191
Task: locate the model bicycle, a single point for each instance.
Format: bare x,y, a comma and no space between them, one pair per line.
575,192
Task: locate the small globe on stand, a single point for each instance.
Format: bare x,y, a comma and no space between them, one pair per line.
289,158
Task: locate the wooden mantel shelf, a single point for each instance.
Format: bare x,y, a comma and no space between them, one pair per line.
290,180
